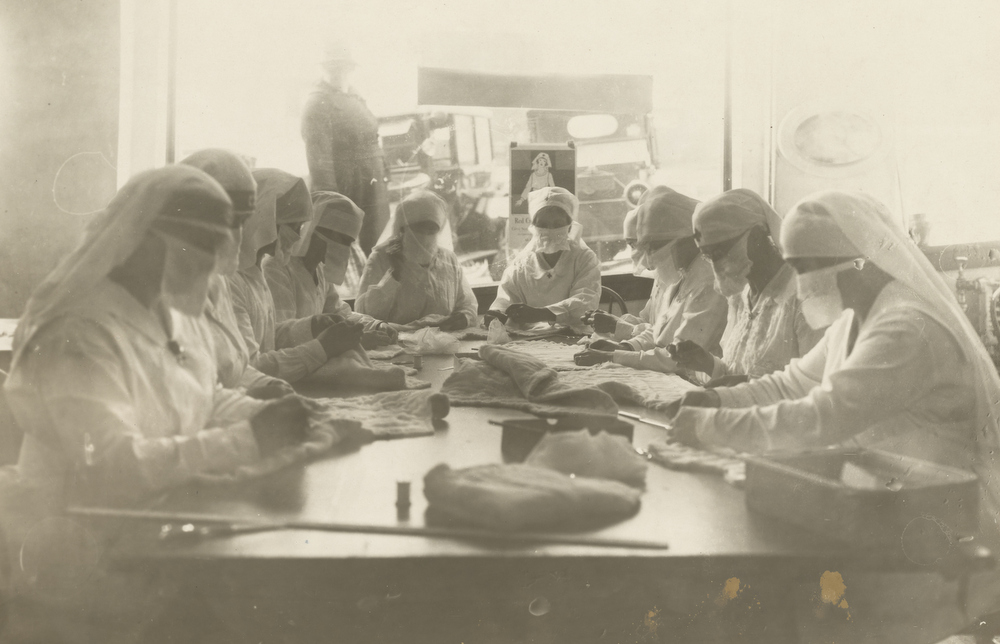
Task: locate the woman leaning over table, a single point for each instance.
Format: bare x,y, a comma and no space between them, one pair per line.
901,369
114,384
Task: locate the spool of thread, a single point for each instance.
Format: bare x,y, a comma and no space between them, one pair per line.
418,364
403,499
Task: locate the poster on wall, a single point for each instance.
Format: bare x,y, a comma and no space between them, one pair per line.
533,167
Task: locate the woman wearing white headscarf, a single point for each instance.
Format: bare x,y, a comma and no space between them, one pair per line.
305,344
113,376
114,384
410,277
738,232
900,368
305,284
683,304
556,277
231,353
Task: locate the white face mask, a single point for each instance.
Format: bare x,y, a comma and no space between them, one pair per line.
229,254
822,302
638,261
419,248
287,238
732,271
663,263
551,240
335,262
186,272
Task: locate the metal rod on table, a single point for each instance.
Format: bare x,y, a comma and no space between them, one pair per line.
400,530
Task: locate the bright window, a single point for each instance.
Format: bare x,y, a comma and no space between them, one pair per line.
243,77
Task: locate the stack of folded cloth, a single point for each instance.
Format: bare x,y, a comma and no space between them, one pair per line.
571,480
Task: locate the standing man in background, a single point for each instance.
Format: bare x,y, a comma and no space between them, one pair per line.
342,147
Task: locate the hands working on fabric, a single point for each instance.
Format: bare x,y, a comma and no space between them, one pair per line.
524,314
273,389
283,423
454,322
684,430
727,381
491,315
692,356
382,335
601,321
608,345
340,337
320,323
590,357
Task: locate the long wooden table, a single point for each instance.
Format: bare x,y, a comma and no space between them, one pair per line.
712,536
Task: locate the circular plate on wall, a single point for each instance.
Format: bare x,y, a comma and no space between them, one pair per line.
832,140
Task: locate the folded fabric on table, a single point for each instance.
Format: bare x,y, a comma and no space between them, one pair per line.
539,330
473,333
674,456
521,497
434,319
388,352
601,456
387,415
429,341
511,379
355,369
325,431
497,333
359,419
651,389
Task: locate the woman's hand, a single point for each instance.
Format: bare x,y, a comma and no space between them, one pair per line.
274,389
690,355
591,357
341,337
491,315
394,250
701,398
684,431
601,321
694,398
381,335
454,322
727,381
283,423
607,345
320,323
524,314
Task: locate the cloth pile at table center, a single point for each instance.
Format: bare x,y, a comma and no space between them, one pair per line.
512,379
571,480
651,389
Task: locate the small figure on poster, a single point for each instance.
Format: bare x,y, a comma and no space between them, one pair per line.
539,178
